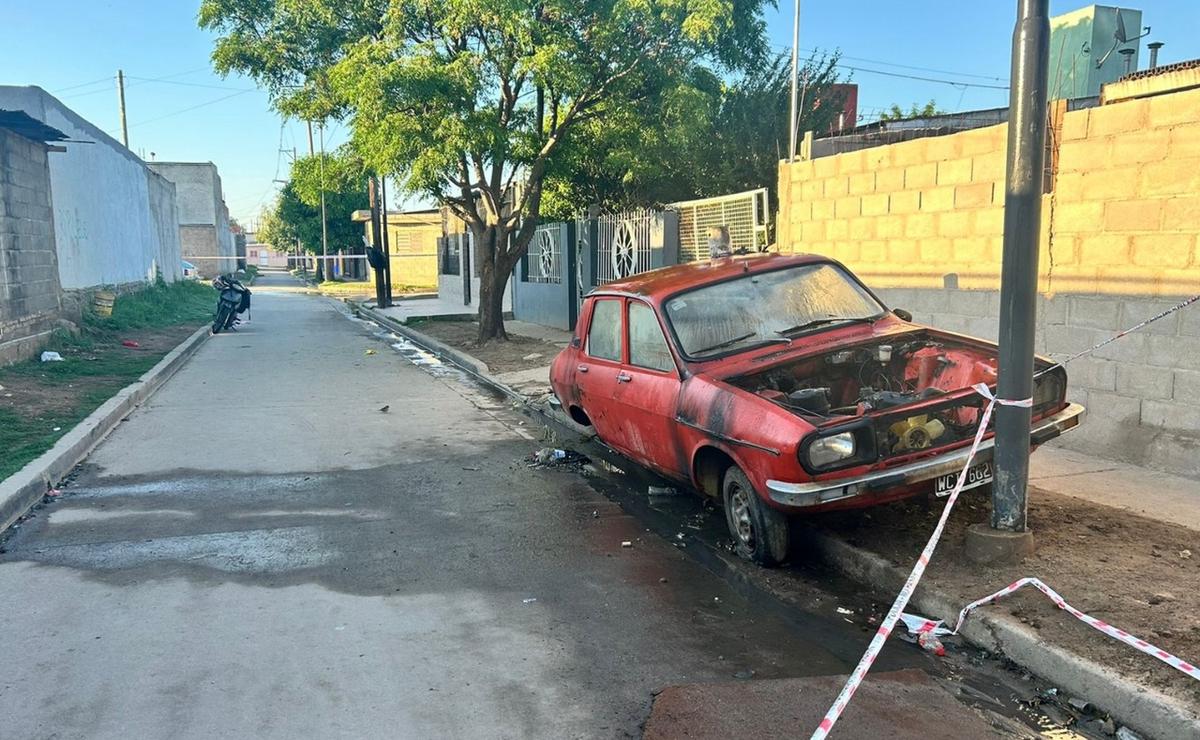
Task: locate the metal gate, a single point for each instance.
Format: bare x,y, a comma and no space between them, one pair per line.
623,244
744,213
544,258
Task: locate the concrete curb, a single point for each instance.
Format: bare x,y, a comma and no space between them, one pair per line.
442,351
1150,711
21,491
1147,710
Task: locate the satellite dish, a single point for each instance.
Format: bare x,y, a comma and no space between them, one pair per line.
1120,36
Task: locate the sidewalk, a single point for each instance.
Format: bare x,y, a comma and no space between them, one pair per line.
1116,540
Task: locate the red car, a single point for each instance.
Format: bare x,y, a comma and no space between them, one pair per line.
782,384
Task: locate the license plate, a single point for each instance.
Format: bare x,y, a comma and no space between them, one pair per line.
977,475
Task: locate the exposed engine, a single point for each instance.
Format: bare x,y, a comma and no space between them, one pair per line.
878,377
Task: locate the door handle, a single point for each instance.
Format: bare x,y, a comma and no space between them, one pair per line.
582,368
624,377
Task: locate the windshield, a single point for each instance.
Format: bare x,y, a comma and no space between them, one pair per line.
766,307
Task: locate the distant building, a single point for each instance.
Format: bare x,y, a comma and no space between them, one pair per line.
204,228
262,255
1086,50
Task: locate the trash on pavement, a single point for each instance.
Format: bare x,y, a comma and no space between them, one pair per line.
929,642
553,457
661,491
529,600
370,352
49,356
130,343
843,610
385,408
626,543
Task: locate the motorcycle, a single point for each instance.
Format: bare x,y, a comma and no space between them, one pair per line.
233,299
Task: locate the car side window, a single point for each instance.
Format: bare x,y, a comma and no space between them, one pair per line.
647,345
604,333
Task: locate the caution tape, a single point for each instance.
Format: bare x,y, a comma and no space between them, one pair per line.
902,599
897,610
917,624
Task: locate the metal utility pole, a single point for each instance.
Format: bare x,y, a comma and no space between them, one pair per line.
792,122
387,246
324,221
1019,271
121,105
380,274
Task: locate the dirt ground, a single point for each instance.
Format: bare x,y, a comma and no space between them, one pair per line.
1138,574
40,402
501,357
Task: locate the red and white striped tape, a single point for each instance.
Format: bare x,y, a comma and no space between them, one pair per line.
902,598
1119,634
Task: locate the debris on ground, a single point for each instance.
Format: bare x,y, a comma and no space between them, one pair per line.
385,408
370,352
661,491
626,543
532,356
49,356
843,610
131,343
1124,733
553,457
529,600
931,644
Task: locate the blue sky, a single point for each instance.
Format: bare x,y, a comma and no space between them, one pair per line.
180,110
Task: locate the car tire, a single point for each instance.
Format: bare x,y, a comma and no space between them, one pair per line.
760,533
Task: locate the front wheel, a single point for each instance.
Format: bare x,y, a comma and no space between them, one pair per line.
224,315
760,533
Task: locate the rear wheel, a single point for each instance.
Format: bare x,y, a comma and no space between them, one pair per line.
760,533
224,314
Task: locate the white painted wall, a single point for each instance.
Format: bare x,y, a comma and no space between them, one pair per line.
104,230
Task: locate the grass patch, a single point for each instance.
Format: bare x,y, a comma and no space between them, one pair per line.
42,401
366,287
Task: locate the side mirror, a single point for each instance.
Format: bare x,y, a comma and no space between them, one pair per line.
900,312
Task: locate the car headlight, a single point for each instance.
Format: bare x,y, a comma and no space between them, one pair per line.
829,450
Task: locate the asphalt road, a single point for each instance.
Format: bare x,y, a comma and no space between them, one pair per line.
261,551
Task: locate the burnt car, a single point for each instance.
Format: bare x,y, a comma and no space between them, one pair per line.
782,385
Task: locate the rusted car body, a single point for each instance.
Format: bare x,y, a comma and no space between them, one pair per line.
782,384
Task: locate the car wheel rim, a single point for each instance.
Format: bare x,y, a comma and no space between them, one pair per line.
739,505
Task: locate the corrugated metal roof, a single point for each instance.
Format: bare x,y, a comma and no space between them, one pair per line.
22,124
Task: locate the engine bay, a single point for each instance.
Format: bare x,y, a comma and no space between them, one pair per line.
877,377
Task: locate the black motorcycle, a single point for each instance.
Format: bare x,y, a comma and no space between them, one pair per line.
233,299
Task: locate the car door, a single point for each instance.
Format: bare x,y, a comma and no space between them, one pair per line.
646,395
599,363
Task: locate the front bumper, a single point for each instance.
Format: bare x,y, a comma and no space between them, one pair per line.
816,493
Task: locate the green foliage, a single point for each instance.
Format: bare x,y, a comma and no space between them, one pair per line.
163,304
471,101
896,113
711,138
297,211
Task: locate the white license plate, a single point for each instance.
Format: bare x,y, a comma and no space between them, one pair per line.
977,475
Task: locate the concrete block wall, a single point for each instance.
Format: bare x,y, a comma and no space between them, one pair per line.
30,295
922,223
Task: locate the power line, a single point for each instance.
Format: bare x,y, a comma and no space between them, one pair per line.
912,66
189,84
83,84
192,108
141,80
953,83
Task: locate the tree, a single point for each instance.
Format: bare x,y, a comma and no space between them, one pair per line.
896,113
714,137
297,212
472,101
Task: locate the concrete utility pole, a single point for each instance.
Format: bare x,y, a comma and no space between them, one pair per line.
793,124
121,106
1008,538
380,274
310,142
324,220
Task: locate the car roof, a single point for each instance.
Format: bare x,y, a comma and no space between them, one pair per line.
665,281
